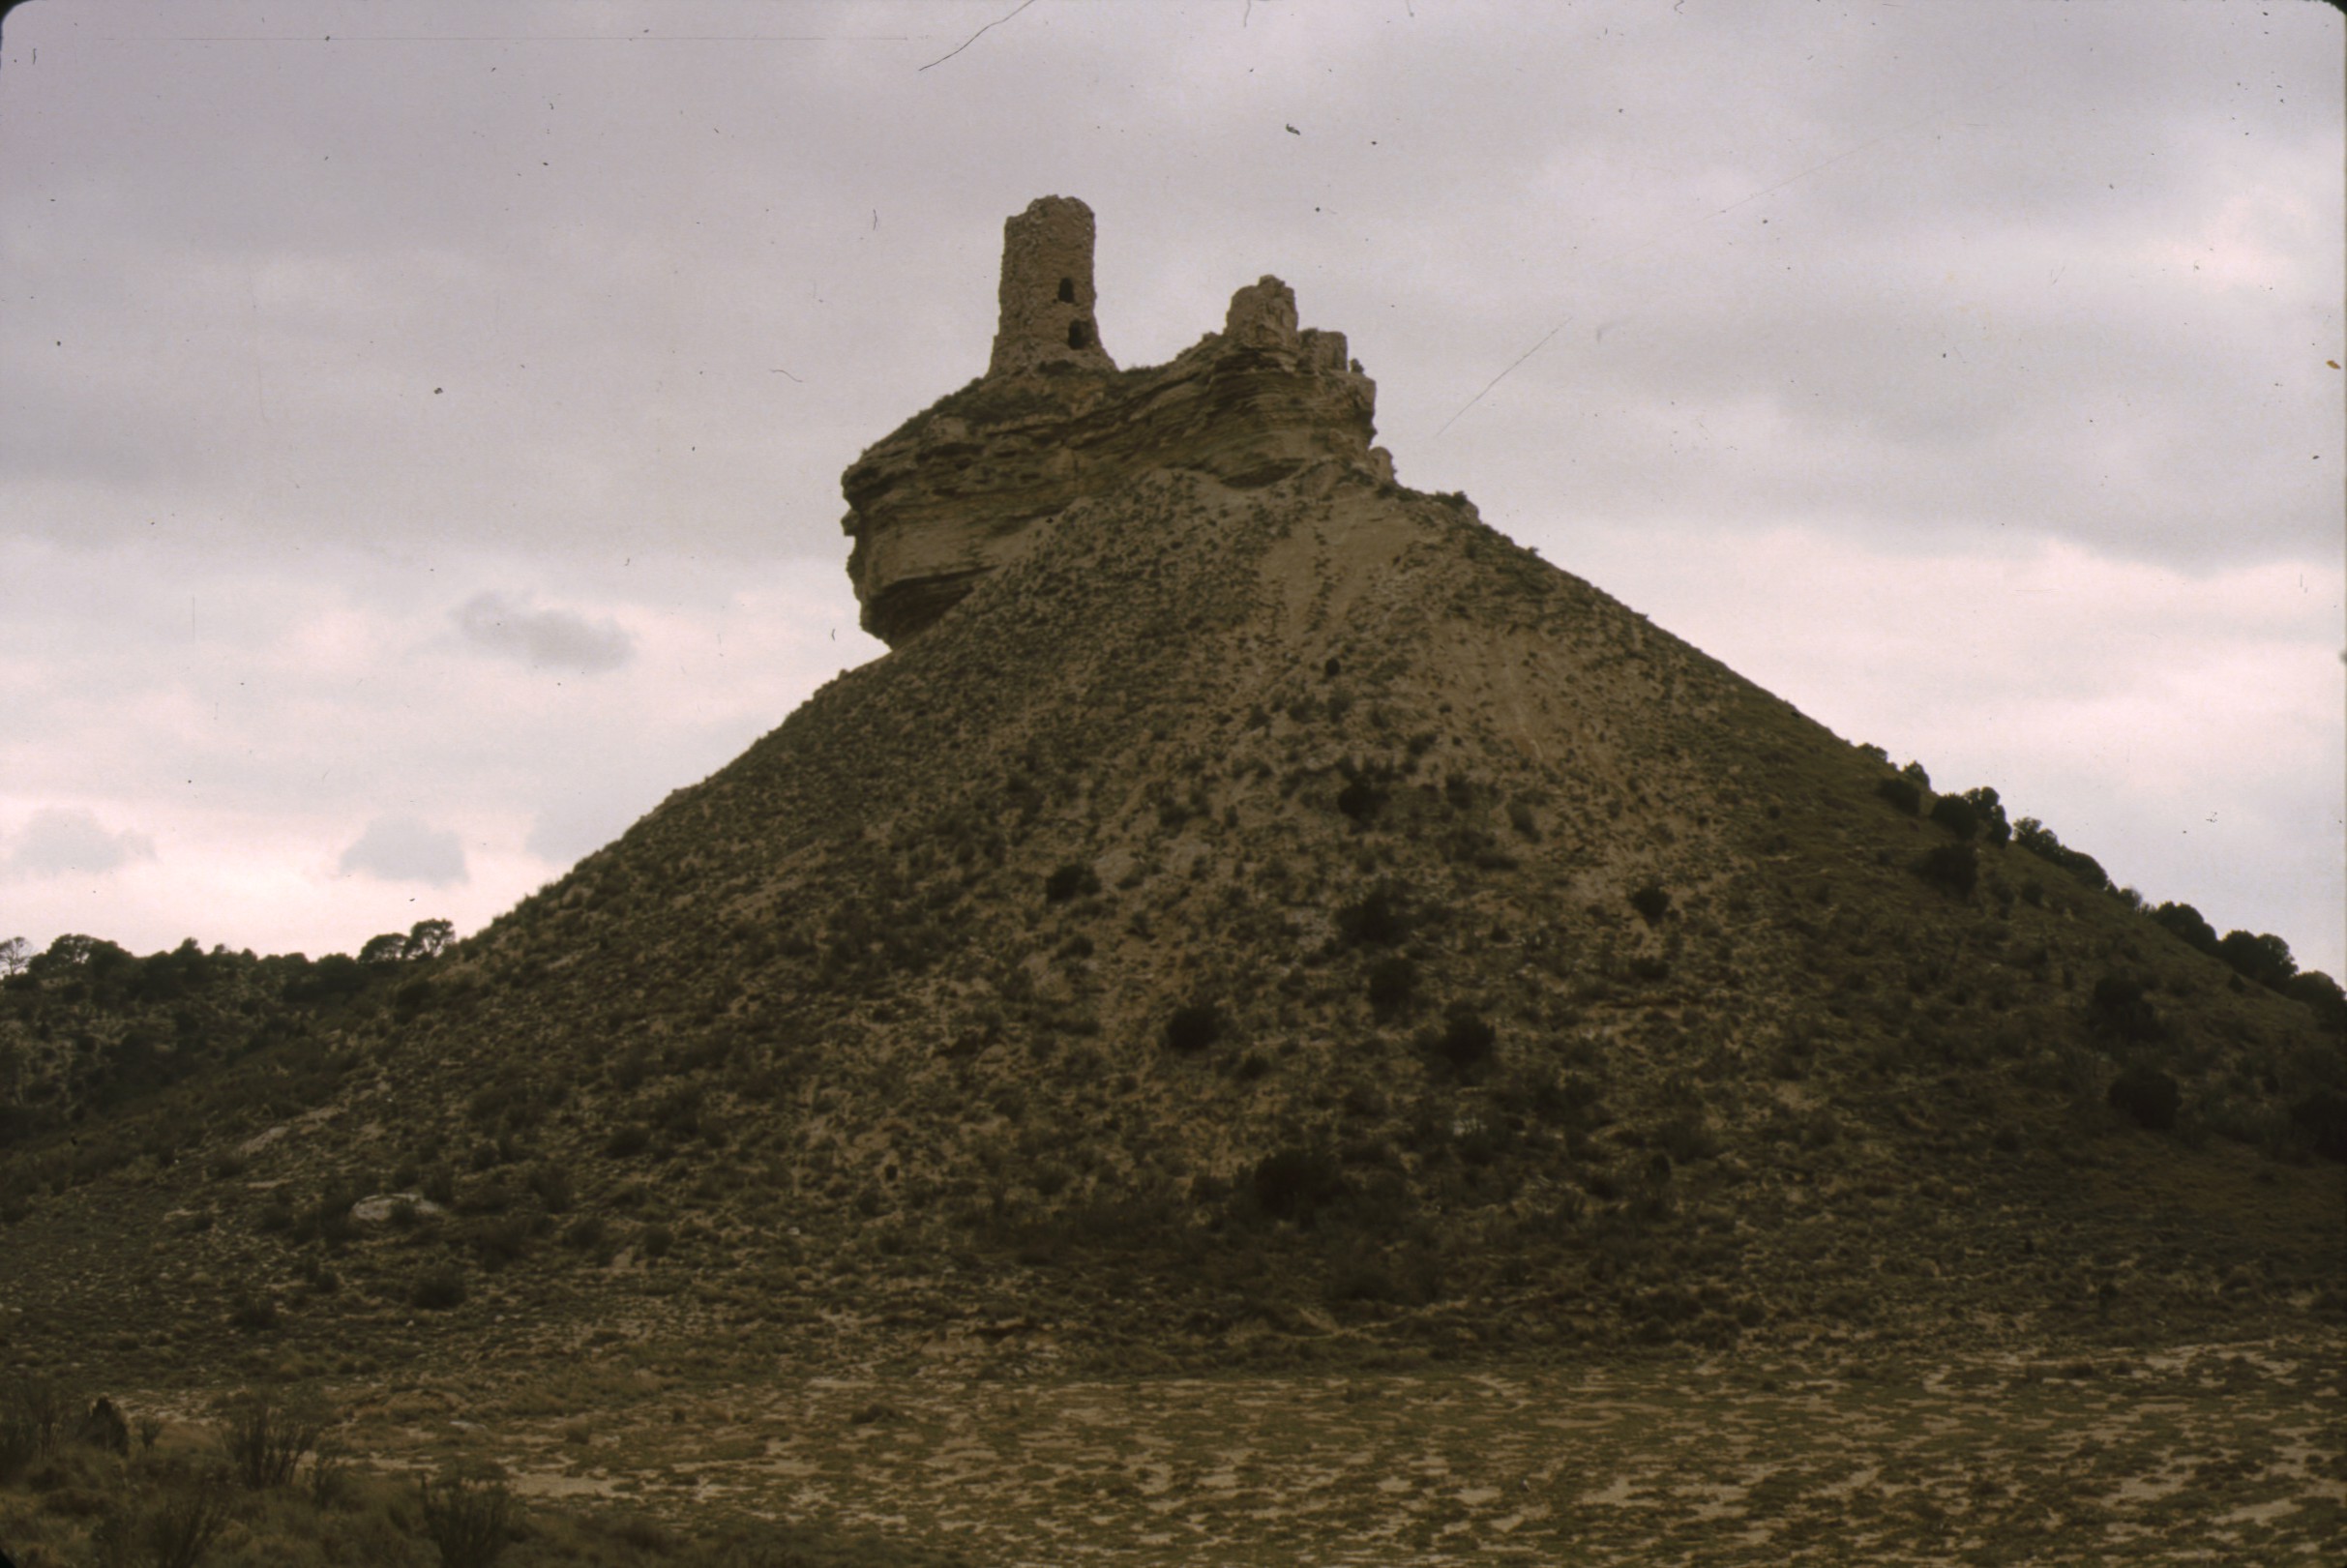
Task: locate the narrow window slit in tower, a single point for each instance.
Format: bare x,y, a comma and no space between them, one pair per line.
1077,336
1067,291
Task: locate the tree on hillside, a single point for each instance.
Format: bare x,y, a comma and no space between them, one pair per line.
2188,924
388,948
1990,812
425,939
428,939
2263,957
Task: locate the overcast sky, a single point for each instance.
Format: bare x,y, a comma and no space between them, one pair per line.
421,423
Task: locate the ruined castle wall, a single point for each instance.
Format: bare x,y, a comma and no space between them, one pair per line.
961,491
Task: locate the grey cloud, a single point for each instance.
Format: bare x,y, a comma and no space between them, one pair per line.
59,841
404,849
605,281
556,639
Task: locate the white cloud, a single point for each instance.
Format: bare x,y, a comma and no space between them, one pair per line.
404,849
69,840
553,639
310,356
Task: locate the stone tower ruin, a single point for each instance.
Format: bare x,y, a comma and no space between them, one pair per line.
1046,292
967,486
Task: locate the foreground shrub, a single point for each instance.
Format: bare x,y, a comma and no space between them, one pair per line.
468,1518
175,1527
2148,1095
32,1414
265,1439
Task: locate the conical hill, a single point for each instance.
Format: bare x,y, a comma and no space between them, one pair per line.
1254,903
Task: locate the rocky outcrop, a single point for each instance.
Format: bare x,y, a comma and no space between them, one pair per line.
958,490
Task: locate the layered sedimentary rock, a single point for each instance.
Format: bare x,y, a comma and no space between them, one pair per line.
958,490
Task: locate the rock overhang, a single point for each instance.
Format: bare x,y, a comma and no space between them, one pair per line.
960,489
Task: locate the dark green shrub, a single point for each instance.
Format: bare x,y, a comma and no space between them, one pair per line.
1194,1027
1072,880
1901,793
2322,994
102,1426
1359,800
1651,903
2322,1115
1375,919
1955,814
1686,1139
2148,1095
1989,813
1295,1183
2264,959
553,1186
2039,840
251,1313
2187,924
2121,1008
1465,1044
437,1289
1393,984
496,1243
1955,867
335,978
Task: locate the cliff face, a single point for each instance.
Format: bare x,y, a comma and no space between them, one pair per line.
957,491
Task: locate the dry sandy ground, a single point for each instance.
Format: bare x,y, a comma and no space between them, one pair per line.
2210,1454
